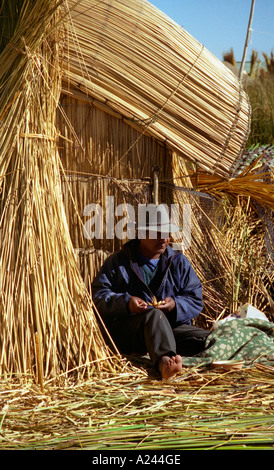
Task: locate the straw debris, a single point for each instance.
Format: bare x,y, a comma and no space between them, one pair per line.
200,409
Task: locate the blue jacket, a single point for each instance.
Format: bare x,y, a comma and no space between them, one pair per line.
121,277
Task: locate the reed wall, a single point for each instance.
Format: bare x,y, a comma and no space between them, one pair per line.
101,155
99,143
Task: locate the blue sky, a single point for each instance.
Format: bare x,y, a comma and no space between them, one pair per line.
222,24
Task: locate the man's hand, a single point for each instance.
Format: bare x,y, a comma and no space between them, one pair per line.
167,304
137,305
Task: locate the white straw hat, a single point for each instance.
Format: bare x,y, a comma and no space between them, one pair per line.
155,218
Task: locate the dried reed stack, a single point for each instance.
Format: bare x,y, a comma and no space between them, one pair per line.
248,184
132,59
47,324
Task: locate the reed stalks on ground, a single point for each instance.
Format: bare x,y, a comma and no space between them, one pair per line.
199,409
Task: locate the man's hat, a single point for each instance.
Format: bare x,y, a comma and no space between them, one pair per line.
155,218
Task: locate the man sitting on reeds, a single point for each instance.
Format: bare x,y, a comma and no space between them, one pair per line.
147,295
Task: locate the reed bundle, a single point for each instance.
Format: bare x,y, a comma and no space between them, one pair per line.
250,183
47,321
133,60
199,409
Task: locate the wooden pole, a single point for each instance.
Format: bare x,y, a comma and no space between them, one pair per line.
156,170
247,39
39,361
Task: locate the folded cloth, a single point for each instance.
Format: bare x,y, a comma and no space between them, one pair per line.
242,339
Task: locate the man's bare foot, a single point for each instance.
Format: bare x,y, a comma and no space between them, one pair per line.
169,366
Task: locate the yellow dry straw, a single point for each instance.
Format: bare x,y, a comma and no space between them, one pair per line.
228,243
199,409
41,287
250,183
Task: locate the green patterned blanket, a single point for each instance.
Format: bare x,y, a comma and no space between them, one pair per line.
242,339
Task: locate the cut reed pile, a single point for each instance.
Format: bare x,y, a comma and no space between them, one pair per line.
249,183
198,409
134,61
47,324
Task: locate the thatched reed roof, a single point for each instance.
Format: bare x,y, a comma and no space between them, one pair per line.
130,58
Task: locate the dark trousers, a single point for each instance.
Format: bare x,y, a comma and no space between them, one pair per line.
152,333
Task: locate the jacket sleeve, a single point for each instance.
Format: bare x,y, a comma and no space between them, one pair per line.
189,296
109,289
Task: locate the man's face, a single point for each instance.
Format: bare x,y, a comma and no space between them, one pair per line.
154,247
